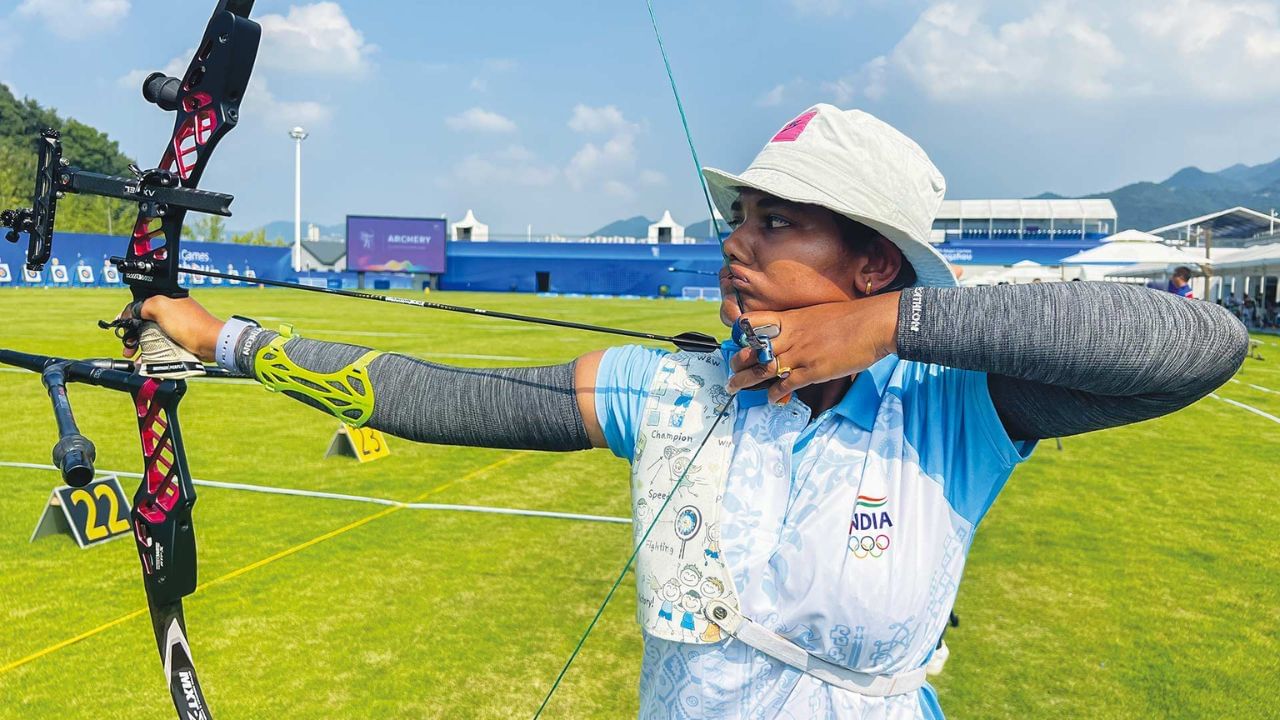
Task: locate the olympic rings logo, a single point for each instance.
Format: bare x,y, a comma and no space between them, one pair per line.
865,546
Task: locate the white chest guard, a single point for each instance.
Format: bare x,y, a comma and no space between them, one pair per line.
679,569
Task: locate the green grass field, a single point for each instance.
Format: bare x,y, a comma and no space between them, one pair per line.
1134,574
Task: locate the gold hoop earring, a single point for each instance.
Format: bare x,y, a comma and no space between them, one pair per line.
868,287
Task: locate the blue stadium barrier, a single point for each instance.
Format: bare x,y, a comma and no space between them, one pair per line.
561,269
82,260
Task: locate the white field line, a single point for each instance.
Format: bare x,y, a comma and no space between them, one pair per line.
1250,408
1256,387
353,498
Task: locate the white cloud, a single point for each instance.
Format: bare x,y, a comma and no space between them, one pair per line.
1083,51
316,38
951,52
774,97
263,106
607,161
607,119
1217,50
480,120
75,19
868,81
491,66
176,67
592,161
514,164
260,103
618,189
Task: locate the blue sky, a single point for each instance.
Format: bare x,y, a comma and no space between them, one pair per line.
558,114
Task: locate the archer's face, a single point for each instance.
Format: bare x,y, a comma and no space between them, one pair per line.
784,255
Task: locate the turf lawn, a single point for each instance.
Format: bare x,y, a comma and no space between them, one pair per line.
1134,574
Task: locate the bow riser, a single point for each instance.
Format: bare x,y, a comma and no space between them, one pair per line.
162,505
207,102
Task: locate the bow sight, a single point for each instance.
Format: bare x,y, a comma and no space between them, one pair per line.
157,192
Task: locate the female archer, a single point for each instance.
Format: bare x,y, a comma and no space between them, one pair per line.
844,477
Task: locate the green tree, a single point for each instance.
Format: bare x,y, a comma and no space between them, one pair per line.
21,122
209,228
253,237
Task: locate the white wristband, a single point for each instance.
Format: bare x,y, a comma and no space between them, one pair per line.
225,353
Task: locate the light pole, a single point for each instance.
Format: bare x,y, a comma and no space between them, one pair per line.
298,135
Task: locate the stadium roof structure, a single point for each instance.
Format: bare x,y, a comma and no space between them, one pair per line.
1234,223
325,252
1259,259
1058,208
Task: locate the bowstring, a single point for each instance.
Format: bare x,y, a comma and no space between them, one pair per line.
693,151
715,226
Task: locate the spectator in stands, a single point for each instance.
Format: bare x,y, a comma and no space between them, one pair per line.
852,468
1180,282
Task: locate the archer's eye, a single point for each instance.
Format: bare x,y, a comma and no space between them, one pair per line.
734,221
777,222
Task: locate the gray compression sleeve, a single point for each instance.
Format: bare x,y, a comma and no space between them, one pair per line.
1067,358
525,408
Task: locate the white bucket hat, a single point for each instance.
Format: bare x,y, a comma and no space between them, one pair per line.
854,164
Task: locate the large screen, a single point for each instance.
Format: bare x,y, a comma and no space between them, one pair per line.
395,244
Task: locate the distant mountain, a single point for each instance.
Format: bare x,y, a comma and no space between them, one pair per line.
1191,192
1257,176
702,230
284,229
637,226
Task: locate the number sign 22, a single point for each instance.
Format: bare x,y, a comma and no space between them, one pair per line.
96,512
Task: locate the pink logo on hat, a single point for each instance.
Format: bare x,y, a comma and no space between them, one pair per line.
792,130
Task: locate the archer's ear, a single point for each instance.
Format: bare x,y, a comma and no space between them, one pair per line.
883,263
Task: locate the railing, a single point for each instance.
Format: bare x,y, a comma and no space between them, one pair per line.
982,233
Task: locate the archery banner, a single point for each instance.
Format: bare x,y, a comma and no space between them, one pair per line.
395,244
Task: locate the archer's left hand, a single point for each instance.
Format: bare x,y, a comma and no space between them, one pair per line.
818,343
184,320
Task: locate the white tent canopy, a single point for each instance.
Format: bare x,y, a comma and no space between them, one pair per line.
1022,272
1131,246
1132,236
666,230
469,228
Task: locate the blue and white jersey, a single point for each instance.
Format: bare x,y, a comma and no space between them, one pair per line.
847,534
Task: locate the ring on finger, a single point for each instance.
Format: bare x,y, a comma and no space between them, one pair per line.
782,372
